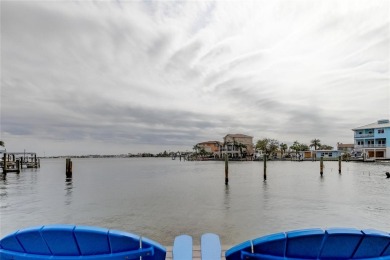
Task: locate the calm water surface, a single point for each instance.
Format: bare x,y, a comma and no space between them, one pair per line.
162,198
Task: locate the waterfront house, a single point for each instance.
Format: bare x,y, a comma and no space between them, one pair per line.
238,145
307,154
345,148
373,140
213,147
328,154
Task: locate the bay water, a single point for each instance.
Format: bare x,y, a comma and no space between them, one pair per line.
160,198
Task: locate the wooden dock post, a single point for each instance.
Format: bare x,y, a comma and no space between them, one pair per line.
322,165
265,166
5,164
340,164
68,168
18,166
226,169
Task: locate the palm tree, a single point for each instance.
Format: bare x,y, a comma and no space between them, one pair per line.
316,143
196,148
202,152
296,146
268,146
283,148
326,147
240,146
2,143
235,145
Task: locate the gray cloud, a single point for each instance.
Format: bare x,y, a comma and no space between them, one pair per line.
154,74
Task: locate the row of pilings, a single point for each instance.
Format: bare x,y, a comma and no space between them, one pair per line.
265,167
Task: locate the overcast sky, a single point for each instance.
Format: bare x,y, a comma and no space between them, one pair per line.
147,76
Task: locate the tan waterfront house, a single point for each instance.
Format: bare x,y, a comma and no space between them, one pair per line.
238,145
213,147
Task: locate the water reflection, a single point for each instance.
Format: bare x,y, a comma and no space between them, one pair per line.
227,197
3,187
69,190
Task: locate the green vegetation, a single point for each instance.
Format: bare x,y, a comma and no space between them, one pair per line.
2,143
268,146
271,147
297,147
326,147
315,143
283,149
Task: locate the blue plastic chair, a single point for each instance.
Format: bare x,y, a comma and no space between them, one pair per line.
67,242
334,243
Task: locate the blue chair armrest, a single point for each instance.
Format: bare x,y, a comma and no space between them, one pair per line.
182,248
210,246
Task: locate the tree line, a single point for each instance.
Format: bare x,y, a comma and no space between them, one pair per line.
272,146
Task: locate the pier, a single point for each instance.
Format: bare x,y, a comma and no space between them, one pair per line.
14,162
195,252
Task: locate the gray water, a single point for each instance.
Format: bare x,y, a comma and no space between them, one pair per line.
163,198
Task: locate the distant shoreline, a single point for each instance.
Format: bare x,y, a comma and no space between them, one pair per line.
208,159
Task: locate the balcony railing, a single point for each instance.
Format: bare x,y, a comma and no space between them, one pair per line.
363,135
370,146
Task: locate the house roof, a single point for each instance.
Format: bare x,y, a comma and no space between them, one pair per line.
345,145
210,142
379,124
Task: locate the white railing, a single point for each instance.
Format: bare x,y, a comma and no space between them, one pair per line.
370,146
363,135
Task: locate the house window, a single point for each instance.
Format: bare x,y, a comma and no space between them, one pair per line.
360,133
360,143
381,131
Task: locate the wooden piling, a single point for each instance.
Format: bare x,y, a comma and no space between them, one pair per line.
68,171
265,166
5,164
18,166
226,169
322,165
340,164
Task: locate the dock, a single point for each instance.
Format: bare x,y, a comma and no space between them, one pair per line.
14,162
195,252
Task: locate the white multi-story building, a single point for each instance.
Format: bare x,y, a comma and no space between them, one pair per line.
373,140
